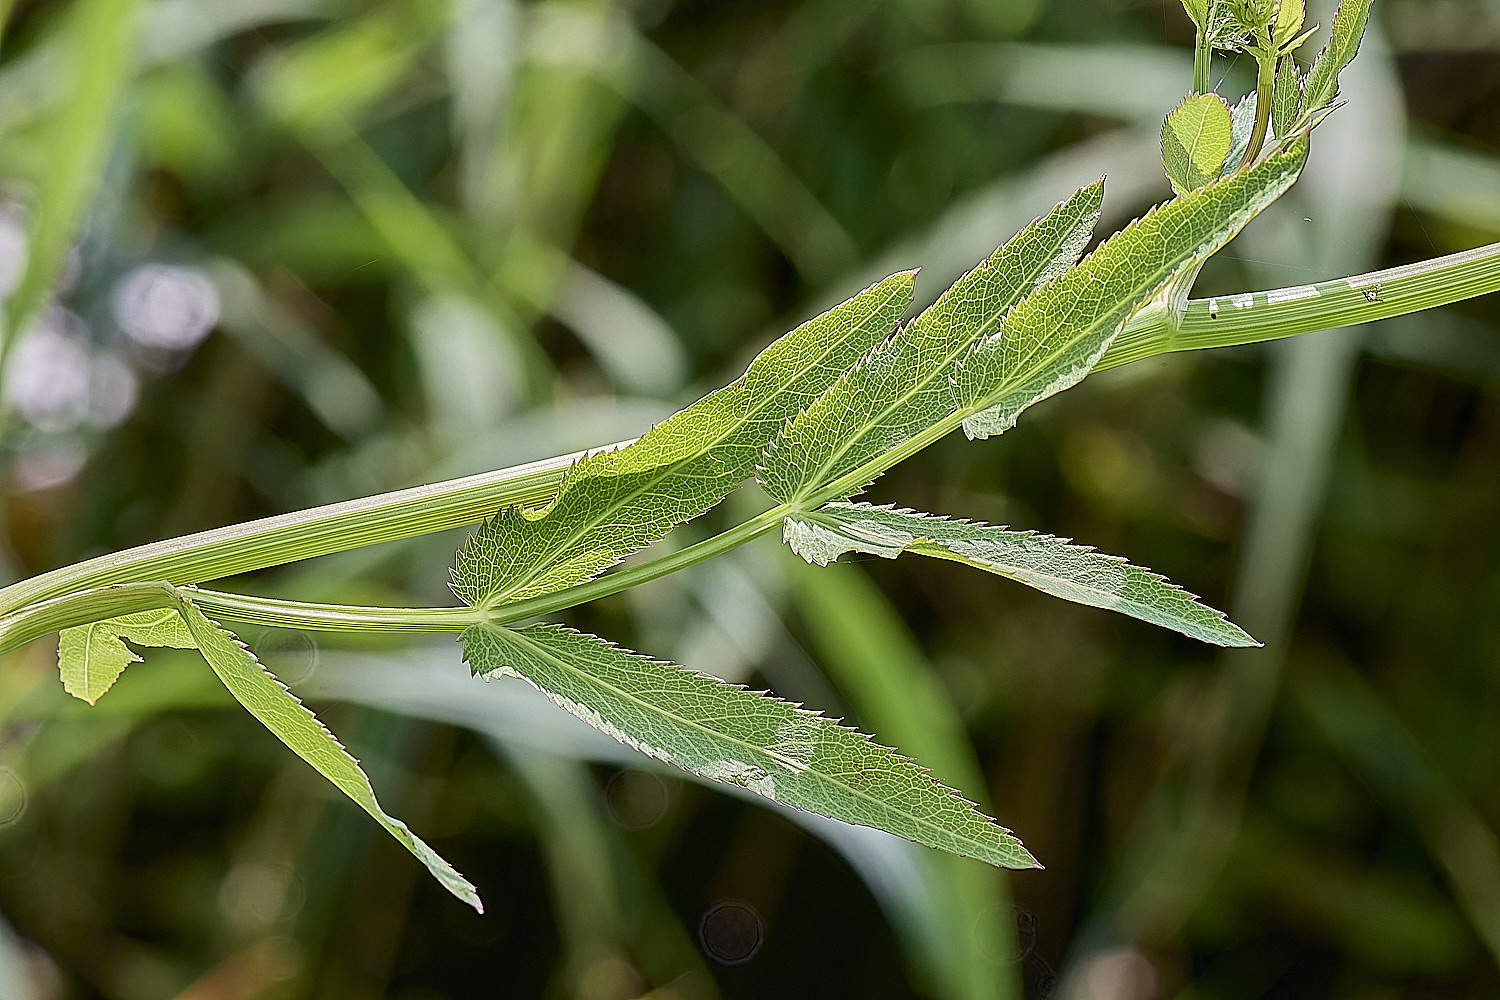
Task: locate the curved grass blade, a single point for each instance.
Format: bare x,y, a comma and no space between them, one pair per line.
756,741
1052,565
613,503
901,387
1054,337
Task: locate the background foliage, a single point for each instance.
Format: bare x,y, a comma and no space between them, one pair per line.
307,250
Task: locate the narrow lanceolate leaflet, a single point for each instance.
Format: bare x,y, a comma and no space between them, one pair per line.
615,502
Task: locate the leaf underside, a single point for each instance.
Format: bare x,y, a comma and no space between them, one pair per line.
613,503
751,739
1052,565
87,655
1195,141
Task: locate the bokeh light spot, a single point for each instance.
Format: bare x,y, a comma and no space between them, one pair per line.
165,307
731,932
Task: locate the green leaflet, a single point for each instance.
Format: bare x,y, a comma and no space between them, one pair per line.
1287,104
722,731
91,657
901,387
283,713
1195,140
1322,84
1050,564
1053,338
613,503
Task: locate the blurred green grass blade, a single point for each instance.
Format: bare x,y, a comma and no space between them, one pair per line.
1368,734
1195,141
902,388
1452,182
731,152
607,901
637,349
334,76
101,53
722,731
876,662
284,715
1052,565
413,232
616,502
1054,337
1060,77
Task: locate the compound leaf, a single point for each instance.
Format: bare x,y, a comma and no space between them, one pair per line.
1052,565
1053,338
1195,140
901,387
753,740
613,503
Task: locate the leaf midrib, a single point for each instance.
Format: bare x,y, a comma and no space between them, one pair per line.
588,523
959,347
666,713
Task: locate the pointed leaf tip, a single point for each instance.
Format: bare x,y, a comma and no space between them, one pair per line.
1050,564
753,740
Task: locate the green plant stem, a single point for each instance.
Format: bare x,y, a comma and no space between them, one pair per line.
273,541
1202,61
85,606
295,614
1265,93
303,534
1252,317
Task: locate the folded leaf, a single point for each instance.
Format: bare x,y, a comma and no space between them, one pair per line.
283,713
1054,337
901,387
756,741
90,659
613,503
1195,140
1242,127
1050,564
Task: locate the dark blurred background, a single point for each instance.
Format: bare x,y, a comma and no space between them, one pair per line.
286,252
